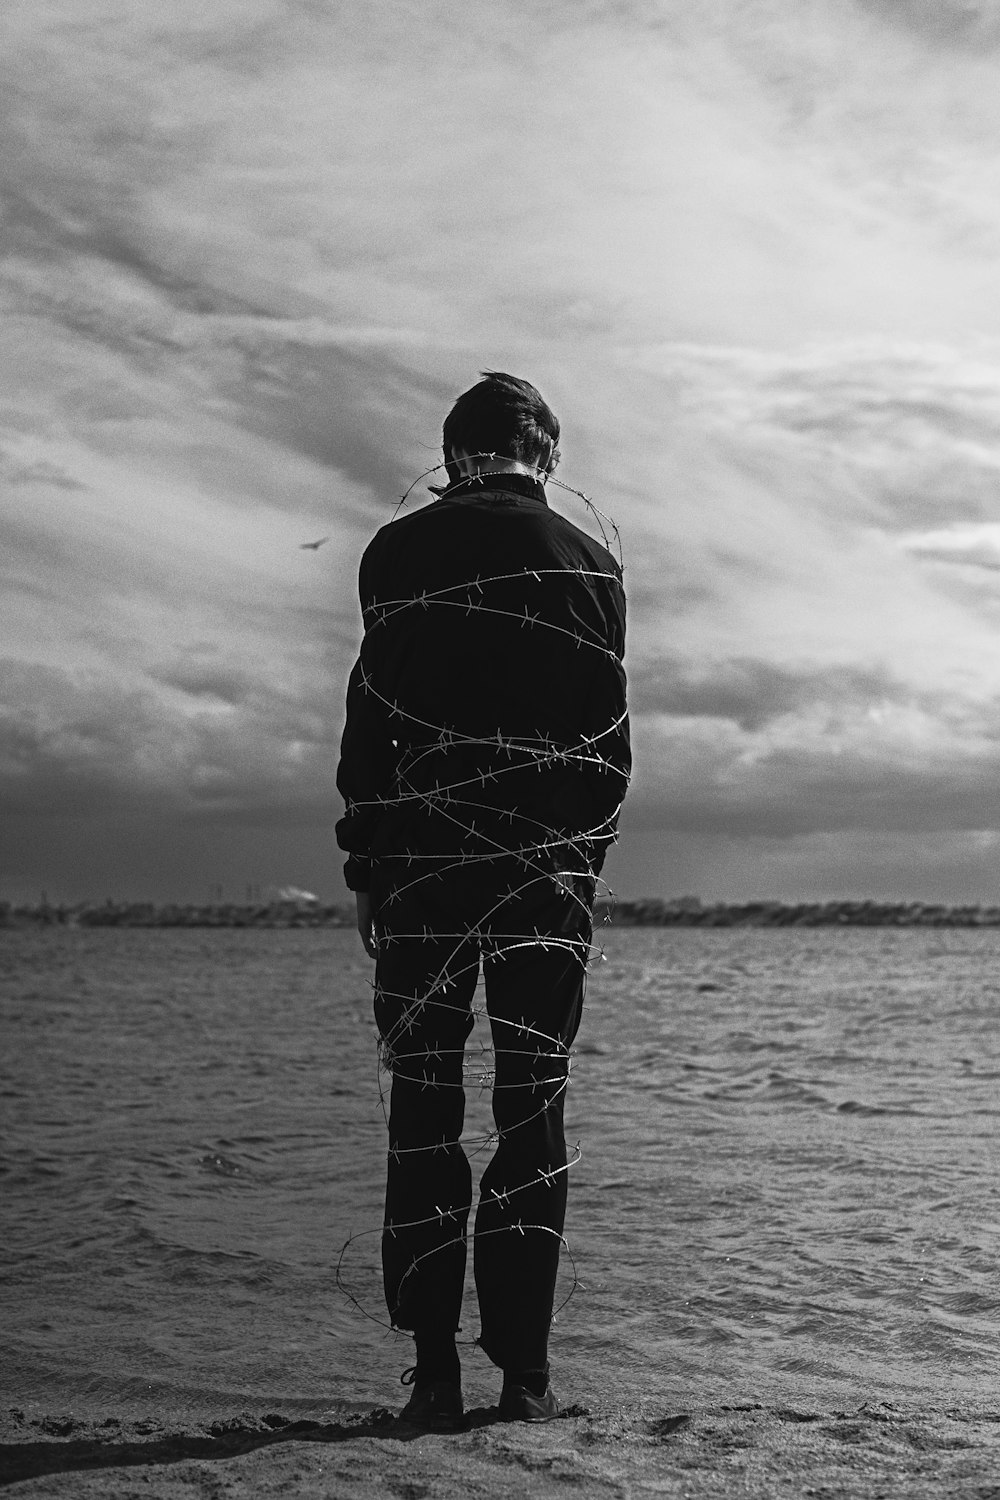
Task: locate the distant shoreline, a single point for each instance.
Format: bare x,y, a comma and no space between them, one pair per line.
685,911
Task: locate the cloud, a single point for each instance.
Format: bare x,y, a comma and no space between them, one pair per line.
193,743
231,685
252,251
896,768
741,751
958,866
959,23
970,545
751,693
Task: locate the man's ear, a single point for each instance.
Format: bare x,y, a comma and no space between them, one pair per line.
457,464
547,458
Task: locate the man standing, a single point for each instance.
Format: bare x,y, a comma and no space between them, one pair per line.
483,764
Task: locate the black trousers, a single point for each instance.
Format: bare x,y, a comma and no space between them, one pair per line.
531,935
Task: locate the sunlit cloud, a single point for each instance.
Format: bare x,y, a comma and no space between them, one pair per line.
970,544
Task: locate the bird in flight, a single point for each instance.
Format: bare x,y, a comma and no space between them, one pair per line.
313,546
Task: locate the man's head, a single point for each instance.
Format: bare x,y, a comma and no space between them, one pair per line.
502,416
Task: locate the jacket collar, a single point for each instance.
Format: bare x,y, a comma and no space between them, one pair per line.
496,484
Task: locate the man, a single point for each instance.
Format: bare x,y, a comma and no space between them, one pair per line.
483,764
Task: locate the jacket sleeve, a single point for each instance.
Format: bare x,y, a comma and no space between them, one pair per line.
607,743
368,755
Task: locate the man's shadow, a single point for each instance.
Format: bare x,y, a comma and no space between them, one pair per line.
28,1460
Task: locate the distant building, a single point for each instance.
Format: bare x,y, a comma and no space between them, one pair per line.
294,896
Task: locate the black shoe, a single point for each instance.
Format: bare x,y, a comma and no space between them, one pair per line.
435,1404
518,1404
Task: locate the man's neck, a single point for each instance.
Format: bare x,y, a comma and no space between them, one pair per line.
515,480
471,464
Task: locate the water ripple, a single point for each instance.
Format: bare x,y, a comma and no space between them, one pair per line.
788,1169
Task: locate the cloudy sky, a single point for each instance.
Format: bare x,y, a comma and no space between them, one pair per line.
251,250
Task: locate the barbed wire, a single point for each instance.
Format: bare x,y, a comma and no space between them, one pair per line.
610,535
547,860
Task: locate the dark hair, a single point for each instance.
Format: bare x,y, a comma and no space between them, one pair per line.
506,416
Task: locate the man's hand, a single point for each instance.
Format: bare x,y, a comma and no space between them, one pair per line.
569,867
366,922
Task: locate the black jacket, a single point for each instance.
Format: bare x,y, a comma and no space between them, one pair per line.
486,714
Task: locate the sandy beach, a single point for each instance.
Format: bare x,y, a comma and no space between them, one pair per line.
875,1449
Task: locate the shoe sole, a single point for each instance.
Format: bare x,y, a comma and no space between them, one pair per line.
508,1414
453,1423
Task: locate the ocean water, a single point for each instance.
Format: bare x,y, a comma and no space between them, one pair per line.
787,1183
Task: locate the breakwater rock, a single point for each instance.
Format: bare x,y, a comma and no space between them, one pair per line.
146,914
690,912
685,911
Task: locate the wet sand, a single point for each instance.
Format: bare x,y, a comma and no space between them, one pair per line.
875,1449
